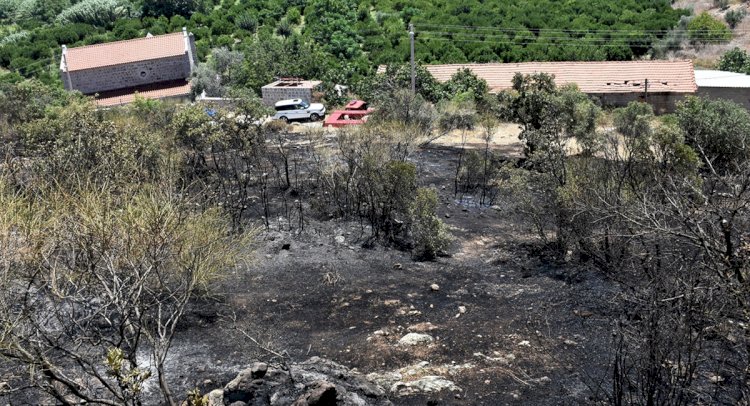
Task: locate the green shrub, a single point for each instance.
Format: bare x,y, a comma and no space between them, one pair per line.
293,16
247,21
634,120
718,130
734,60
96,12
734,17
705,29
721,4
429,232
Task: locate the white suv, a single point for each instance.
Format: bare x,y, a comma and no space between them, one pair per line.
296,109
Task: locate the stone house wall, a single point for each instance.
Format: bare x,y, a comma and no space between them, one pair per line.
90,81
274,94
662,103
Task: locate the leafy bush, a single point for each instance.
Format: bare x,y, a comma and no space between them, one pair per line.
634,120
170,8
284,28
398,76
80,145
457,115
8,8
705,29
293,16
407,108
718,130
466,81
735,60
96,12
429,232
734,17
247,21
13,38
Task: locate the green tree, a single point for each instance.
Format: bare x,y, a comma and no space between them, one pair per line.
465,83
331,24
549,117
634,120
718,130
96,12
169,8
705,29
735,60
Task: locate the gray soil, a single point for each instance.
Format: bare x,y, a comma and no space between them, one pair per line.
510,324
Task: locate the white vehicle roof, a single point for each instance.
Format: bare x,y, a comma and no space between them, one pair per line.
287,102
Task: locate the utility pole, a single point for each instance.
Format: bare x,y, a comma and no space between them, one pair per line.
646,90
413,67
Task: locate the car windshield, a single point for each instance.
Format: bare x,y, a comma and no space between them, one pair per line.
304,105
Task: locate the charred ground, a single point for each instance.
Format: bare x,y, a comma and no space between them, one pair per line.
535,330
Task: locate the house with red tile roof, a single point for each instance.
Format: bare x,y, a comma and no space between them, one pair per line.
615,83
155,67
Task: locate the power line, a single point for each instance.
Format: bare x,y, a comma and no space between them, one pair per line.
557,30
504,37
542,41
567,44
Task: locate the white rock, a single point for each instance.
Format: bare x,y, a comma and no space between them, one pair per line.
462,309
435,287
416,339
715,379
216,397
340,239
426,384
524,343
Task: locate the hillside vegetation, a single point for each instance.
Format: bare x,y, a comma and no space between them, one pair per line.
337,40
130,231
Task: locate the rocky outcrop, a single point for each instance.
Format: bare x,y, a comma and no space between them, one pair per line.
315,382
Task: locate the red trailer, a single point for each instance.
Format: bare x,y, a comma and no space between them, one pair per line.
354,113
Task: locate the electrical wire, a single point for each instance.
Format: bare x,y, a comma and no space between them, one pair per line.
563,30
568,44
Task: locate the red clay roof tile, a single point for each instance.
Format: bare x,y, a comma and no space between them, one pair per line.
591,77
162,90
121,52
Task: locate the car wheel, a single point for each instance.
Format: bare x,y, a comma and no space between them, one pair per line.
314,117
284,119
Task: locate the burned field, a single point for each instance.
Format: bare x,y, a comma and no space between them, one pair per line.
508,324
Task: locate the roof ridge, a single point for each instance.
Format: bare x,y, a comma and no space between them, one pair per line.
126,40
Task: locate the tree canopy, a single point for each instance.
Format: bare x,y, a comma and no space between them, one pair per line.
337,40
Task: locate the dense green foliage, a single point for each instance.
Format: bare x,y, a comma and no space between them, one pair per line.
706,29
735,60
719,130
337,41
